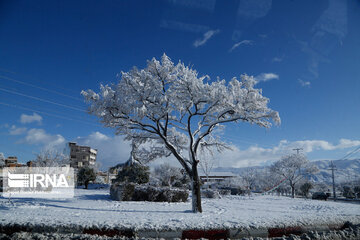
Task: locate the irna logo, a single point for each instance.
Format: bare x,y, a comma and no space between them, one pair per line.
36,180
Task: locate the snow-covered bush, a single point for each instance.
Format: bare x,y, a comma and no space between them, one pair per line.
233,186
135,192
225,191
210,193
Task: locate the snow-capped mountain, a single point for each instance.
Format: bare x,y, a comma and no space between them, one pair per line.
347,170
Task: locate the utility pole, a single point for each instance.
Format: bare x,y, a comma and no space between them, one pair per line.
333,168
297,150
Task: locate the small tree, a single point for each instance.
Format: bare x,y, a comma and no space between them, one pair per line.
170,176
267,180
171,108
2,160
357,191
348,192
305,188
293,168
85,175
135,173
51,158
207,162
250,177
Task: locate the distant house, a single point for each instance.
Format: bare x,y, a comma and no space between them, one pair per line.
81,155
12,162
216,176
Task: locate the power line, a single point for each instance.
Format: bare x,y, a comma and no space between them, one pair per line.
41,99
49,114
41,88
351,153
41,82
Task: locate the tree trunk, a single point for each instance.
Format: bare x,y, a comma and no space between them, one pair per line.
196,193
86,184
293,191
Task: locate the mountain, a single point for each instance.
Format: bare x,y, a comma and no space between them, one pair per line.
347,170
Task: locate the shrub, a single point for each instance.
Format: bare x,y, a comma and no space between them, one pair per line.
223,191
133,192
305,188
209,193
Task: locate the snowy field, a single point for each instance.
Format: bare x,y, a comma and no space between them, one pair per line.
94,208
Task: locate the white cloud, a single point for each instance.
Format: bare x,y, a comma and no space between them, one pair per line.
263,77
40,137
312,145
111,150
304,83
243,42
255,155
277,59
209,34
30,118
17,131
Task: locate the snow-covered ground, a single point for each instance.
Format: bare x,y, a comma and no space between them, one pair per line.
94,208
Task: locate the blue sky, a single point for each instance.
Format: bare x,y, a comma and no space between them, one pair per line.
305,54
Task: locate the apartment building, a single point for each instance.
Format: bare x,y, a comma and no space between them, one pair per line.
81,155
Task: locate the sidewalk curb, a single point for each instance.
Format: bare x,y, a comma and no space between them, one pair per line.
183,234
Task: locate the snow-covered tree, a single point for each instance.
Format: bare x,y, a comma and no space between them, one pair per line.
175,111
170,176
250,176
293,168
2,160
51,158
267,180
206,162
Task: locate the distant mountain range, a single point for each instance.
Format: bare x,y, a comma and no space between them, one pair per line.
347,170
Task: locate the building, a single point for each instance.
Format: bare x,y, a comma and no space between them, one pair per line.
12,162
216,176
81,155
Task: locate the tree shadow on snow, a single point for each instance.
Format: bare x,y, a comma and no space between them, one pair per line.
114,210
102,197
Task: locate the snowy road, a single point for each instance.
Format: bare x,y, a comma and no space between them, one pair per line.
94,208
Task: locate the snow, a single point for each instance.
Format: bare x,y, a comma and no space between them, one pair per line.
94,208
